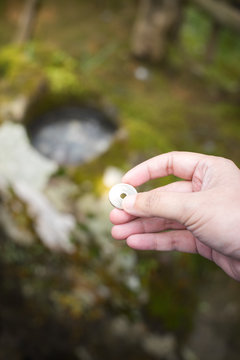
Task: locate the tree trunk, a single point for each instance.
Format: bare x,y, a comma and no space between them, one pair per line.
27,21
156,23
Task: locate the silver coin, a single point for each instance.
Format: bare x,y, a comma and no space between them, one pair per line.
118,192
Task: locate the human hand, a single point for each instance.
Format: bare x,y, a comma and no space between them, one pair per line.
202,212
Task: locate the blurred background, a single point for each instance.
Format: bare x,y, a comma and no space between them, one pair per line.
88,89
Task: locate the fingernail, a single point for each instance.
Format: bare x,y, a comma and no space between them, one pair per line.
129,202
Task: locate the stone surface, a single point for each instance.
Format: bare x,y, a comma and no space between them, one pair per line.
160,346
19,161
28,173
141,73
53,228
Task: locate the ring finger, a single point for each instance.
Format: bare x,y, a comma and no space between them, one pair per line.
144,225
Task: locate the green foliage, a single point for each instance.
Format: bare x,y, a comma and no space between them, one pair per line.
56,67
19,73
194,32
223,70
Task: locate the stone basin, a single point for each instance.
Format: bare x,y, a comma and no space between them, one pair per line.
72,135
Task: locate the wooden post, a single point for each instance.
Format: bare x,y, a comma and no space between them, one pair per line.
27,21
156,22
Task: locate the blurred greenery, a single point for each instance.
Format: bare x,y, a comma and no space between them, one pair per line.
223,71
81,51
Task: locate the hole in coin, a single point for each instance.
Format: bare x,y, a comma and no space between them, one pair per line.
123,195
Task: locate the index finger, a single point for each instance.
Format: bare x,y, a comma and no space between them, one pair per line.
178,163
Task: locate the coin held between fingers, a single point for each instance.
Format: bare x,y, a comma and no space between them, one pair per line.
118,192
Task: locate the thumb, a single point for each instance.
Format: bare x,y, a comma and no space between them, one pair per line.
170,205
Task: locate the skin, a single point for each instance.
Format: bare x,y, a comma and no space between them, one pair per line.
202,211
